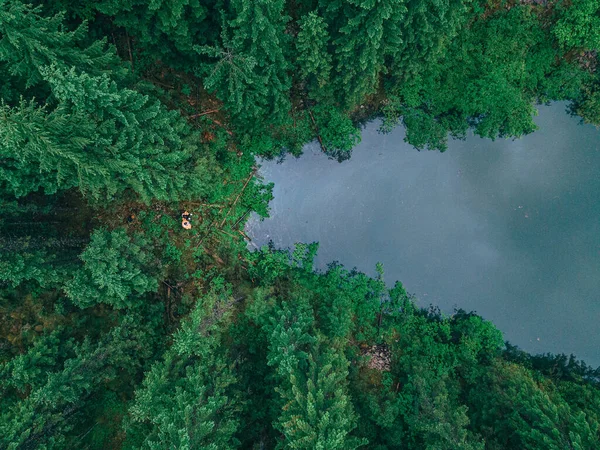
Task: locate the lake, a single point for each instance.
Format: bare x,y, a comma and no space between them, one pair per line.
507,228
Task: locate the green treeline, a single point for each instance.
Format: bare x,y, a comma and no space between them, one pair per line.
121,329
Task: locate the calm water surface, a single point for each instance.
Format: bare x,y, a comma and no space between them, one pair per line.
509,229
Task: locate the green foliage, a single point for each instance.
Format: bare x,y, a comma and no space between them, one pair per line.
27,264
42,409
578,24
366,32
166,30
313,60
152,145
513,410
117,270
338,133
317,412
37,256
120,329
92,133
43,150
250,69
490,88
100,139
187,399
29,41
427,29
588,106
423,399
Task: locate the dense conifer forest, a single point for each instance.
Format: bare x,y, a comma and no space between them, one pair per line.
122,329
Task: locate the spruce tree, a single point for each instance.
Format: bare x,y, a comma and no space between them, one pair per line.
316,412
117,270
84,129
514,410
101,139
251,71
30,41
365,33
165,31
187,399
44,411
427,28
313,58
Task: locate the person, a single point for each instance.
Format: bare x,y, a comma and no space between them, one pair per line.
186,220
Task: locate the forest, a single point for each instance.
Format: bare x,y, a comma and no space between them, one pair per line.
122,329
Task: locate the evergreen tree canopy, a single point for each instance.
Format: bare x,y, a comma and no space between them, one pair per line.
188,399
30,41
133,315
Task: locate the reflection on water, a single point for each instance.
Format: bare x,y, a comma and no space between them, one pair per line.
508,229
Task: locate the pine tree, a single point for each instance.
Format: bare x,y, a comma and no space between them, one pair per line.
313,58
427,28
30,370
44,150
28,265
153,146
117,270
90,133
515,411
30,41
186,400
316,412
45,410
251,73
101,139
166,31
366,32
